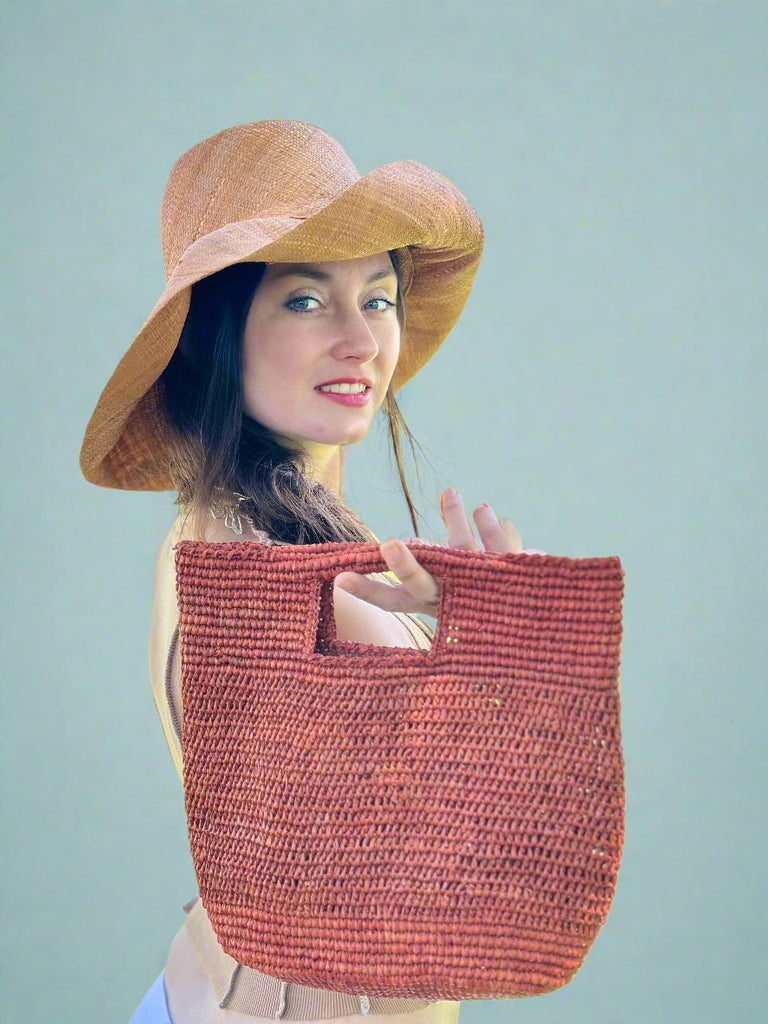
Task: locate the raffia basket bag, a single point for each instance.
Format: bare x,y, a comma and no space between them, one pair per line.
441,824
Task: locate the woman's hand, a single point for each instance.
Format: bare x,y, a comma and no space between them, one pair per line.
418,590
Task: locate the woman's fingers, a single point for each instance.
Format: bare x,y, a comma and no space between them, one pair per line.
513,535
456,523
499,535
381,594
421,585
491,530
418,589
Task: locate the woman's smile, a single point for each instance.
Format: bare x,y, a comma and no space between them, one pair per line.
348,397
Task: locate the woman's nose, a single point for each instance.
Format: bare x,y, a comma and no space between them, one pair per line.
355,337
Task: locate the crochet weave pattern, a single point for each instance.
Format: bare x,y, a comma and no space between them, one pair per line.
439,824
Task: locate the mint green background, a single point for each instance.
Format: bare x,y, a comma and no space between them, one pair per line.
605,388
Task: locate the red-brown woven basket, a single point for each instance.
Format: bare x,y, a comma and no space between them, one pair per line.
439,824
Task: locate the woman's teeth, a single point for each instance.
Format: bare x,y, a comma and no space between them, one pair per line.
344,389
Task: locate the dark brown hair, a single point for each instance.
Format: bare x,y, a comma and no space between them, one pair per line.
220,456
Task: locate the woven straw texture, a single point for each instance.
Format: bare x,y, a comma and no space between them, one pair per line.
440,824
280,191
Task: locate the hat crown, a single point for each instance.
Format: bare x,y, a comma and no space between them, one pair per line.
272,168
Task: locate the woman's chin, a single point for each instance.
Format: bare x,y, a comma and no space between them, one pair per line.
353,436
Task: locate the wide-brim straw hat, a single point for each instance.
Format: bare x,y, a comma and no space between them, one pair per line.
281,192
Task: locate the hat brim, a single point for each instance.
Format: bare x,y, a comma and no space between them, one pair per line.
402,205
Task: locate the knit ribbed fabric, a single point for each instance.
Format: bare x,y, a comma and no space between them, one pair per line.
439,824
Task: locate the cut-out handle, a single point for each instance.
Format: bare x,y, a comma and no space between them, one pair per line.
368,559
326,640
447,565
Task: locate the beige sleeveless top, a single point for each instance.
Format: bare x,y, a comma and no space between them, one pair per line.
205,985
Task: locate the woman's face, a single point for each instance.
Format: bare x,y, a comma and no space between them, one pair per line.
313,323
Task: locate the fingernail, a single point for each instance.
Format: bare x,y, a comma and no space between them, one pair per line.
486,508
451,494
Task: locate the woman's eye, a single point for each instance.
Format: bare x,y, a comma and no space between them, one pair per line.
387,301
300,298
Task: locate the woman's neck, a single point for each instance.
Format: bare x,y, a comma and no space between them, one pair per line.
326,466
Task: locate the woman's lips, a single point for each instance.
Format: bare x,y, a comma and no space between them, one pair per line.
346,399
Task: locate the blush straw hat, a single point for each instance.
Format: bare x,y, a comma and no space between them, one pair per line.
278,191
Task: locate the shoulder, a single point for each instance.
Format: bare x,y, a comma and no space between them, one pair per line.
165,551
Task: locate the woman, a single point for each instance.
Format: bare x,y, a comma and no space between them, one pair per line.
287,273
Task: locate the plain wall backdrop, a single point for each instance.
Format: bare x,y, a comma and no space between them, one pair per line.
605,388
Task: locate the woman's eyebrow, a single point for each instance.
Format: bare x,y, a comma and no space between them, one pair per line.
301,270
